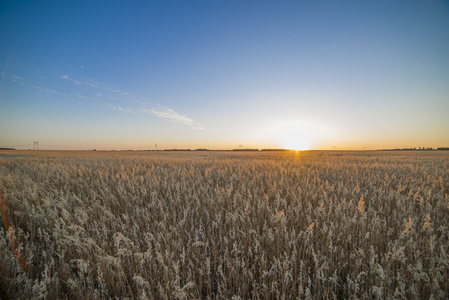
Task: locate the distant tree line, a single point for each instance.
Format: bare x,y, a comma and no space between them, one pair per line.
417,149
199,149
274,150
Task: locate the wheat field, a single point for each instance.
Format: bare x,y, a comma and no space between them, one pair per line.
224,225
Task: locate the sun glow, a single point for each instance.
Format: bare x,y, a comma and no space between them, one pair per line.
297,134
297,145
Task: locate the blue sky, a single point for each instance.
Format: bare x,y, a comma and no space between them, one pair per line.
219,74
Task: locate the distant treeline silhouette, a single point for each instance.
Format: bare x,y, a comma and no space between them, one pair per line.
417,149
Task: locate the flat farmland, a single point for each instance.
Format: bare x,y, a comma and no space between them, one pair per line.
224,225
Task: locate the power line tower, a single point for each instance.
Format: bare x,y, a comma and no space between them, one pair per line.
35,145
155,147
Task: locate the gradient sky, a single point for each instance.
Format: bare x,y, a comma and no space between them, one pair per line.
219,74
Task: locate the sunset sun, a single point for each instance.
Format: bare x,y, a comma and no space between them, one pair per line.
297,144
298,134
296,139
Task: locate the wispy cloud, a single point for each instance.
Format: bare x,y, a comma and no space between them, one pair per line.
38,85
123,109
119,108
67,77
159,111
98,91
168,113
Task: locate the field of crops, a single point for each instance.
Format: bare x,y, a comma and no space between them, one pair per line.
224,225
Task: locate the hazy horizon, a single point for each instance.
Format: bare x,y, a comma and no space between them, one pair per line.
224,75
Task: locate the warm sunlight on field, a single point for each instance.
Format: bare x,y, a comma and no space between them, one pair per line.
224,225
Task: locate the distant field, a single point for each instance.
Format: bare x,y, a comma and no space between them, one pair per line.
226,225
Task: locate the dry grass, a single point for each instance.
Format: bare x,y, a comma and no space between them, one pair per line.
224,225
